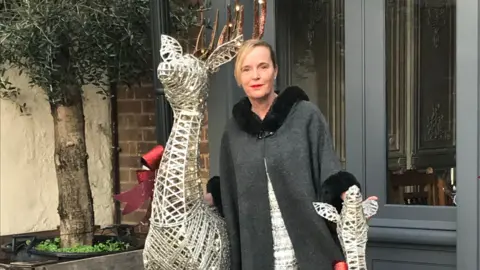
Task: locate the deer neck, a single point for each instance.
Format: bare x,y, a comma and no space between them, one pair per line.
178,177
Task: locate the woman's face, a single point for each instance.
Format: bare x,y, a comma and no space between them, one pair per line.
257,73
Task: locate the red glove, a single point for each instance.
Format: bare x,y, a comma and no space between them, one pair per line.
340,266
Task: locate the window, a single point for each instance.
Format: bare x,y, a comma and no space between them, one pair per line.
420,92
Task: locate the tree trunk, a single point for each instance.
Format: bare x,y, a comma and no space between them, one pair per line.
75,205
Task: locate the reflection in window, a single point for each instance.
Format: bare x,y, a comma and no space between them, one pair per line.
420,45
317,56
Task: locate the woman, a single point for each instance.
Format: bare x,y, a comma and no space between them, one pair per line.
213,197
275,152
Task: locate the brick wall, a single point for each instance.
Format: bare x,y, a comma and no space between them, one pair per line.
204,152
136,135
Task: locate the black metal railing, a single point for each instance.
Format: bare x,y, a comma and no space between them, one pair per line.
160,17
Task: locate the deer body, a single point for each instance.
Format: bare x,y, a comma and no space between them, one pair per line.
352,227
185,233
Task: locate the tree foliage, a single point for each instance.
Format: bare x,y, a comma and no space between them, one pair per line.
63,45
81,42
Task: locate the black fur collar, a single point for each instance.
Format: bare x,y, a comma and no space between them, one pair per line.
251,123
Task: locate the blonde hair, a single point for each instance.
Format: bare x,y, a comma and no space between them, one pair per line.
246,48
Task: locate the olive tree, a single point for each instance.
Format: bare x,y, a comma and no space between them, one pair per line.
62,45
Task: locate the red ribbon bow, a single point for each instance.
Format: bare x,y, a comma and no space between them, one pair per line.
136,197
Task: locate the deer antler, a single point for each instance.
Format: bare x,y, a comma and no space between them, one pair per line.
232,29
256,18
215,26
261,18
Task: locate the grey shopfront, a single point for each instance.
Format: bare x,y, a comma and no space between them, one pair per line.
399,83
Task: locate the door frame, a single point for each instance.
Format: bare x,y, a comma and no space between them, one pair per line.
468,117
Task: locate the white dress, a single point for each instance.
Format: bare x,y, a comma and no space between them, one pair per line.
283,253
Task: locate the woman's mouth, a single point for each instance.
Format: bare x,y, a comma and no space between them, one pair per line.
256,85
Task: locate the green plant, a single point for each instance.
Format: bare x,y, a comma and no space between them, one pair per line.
108,246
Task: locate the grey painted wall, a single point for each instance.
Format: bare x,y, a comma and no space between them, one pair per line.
223,89
408,257
468,161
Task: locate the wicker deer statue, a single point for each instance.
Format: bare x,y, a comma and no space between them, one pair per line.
185,233
352,226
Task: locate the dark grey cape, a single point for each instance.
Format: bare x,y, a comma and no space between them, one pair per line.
295,141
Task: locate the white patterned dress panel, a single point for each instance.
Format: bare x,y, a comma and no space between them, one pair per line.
283,253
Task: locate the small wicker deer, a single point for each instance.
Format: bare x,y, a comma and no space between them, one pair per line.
185,233
352,227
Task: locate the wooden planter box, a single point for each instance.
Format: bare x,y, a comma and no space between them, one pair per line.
131,260
118,261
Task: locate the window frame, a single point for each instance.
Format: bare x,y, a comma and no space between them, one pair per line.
366,124
441,218
376,126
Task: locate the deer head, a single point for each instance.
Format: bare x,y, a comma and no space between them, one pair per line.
353,196
185,76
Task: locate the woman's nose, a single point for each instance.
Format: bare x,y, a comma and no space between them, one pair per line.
256,74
